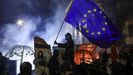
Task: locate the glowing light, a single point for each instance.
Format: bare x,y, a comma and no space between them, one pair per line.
87,31
92,33
83,21
106,23
95,10
85,15
84,53
20,23
85,26
89,11
100,12
98,33
97,56
103,29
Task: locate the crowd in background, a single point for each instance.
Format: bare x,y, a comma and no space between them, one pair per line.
123,65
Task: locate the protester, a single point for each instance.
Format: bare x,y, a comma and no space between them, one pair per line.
69,48
54,63
65,68
25,69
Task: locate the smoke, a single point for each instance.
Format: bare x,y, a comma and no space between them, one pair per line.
46,27
52,28
20,35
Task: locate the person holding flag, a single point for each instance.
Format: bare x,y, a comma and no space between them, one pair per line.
93,23
69,48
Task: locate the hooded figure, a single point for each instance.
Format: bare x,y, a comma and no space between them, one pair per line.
69,48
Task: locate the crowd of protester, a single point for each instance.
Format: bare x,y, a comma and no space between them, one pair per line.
119,62
122,66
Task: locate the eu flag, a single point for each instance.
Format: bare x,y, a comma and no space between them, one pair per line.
92,22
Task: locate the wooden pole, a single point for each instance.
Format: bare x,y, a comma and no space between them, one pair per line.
67,10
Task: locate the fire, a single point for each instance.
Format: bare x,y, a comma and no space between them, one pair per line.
85,53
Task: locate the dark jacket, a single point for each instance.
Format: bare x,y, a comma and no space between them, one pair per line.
69,49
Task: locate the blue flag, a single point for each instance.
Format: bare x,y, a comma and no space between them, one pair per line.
92,22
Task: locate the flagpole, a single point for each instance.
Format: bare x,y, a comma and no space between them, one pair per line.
67,9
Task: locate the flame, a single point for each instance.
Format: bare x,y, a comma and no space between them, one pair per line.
85,53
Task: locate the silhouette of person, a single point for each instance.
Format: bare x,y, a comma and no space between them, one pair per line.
25,69
3,63
69,48
54,63
66,68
